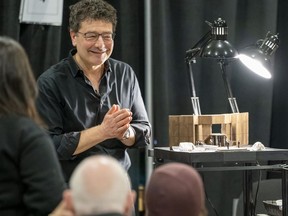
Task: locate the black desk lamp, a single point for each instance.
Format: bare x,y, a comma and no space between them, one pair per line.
213,44
257,57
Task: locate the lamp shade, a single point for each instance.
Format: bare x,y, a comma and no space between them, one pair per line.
258,57
218,47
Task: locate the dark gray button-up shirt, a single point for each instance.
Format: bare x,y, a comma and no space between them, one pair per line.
68,104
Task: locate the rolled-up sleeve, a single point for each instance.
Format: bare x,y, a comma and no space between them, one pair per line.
49,107
132,98
140,122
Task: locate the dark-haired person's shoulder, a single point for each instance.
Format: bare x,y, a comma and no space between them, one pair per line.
19,125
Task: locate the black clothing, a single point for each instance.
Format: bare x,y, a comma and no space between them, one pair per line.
31,182
68,104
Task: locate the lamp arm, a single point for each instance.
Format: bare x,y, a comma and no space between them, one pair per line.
190,58
190,74
231,99
196,49
194,98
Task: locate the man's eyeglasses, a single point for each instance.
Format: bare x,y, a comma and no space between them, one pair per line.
93,36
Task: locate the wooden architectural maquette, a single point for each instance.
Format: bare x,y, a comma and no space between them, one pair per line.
192,128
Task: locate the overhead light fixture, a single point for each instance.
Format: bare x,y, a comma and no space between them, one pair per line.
258,57
213,44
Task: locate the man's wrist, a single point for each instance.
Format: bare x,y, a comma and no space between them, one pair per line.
129,137
130,132
127,134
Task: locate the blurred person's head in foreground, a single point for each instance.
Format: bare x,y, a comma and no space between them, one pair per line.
100,185
175,189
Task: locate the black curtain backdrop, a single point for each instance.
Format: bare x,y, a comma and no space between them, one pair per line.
176,27
179,27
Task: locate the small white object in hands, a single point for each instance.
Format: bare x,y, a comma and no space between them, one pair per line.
186,146
258,146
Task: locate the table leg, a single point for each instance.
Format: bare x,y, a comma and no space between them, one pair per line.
247,193
284,192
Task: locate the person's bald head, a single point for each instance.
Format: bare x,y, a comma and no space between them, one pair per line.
99,184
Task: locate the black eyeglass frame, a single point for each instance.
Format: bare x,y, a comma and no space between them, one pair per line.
95,36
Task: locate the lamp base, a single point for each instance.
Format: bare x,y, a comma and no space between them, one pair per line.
196,105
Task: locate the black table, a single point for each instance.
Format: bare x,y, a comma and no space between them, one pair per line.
232,160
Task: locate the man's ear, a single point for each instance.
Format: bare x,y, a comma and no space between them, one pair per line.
133,196
67,197
65,206
73,38
129,207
